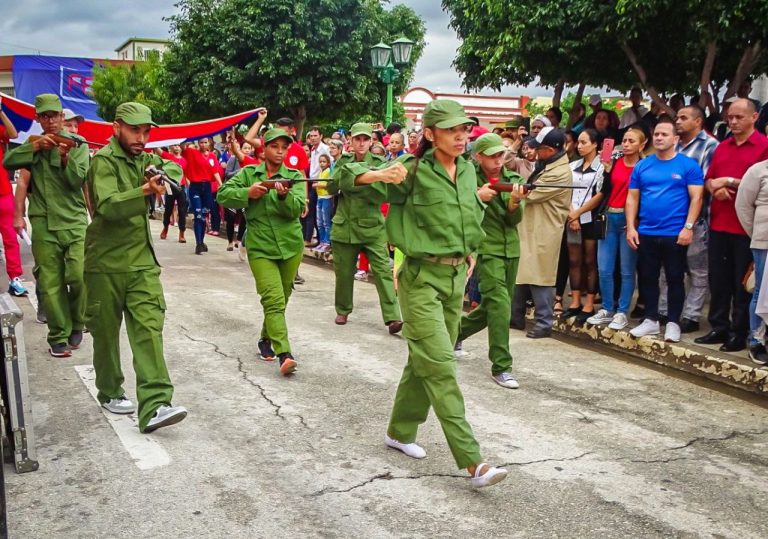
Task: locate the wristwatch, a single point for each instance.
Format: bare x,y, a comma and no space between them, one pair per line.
689,226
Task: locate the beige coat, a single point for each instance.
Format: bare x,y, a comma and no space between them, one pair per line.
541,229
752,204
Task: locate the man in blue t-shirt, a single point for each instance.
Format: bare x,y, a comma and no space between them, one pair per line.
668,190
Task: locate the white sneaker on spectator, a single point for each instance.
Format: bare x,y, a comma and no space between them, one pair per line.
648,327
619,322
458,350
603,316
672,332
361,275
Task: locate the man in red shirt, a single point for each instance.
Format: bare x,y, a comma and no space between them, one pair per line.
179,198
729,252
7,207
206,148
199,173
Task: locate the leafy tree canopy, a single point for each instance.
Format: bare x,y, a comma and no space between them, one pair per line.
141,81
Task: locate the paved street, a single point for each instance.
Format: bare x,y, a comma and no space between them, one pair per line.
596,446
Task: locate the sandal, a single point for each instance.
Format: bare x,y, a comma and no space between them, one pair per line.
558,308
491,476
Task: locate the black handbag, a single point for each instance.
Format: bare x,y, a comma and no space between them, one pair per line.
600,223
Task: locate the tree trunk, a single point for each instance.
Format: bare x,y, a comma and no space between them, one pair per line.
746,65
715,93
576,101
299,117
643,77
559,87
706,72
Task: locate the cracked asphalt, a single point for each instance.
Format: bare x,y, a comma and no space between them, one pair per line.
597,446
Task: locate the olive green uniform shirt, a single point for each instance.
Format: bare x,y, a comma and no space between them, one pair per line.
55,191
500,226
274,230
358,216
429,214
119,240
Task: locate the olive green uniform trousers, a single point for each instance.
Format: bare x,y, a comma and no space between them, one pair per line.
431,297
274,284
345,264
139,296
496,282
59,258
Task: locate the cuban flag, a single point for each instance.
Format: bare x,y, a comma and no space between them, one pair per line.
98,133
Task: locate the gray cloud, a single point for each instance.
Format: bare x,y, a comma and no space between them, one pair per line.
86,28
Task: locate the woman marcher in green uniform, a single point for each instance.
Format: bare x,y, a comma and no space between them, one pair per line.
58,217
122,274
497,260
435,218
358,226
273,236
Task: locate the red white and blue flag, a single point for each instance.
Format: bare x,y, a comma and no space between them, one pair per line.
22,115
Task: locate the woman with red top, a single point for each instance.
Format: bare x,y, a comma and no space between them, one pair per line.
7,208
615,188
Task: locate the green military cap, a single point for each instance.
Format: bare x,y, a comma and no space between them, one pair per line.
489,144
276,133
444,114
361,128
47,103
513,123
134,114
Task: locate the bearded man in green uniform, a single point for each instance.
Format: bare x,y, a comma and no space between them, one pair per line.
497,260
57,214
274,238
435,216
358,226
122,274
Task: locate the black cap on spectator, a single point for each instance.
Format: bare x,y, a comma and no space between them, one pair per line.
285,122
549,136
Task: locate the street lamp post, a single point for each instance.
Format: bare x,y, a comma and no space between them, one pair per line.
386,59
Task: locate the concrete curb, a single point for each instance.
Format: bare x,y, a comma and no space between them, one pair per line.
684,357
681,356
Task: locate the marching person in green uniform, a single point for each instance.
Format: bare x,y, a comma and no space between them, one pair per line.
273,236
122,274
435,217
358,226
58,217
497,260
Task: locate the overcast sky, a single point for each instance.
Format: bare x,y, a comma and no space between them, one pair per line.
93,29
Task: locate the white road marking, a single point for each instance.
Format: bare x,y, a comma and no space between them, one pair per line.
144,450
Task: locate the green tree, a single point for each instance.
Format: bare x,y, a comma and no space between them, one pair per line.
140,81
307,58
665,45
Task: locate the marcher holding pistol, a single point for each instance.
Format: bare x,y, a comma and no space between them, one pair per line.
122,273
274,237
58,217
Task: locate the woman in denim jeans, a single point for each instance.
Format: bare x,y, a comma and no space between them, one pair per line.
615,186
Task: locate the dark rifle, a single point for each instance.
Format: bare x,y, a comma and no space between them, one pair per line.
67,141
509,187
274,180
151,172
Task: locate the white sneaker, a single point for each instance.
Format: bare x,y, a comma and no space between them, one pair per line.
458,350
672,332
619,321
491,476
505,379
361,275
603,316
166,416
648,327
120,405
412,450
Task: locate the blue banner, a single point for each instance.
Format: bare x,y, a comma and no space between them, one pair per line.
69,78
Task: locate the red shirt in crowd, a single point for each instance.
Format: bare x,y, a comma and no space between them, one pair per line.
296,158
249,160
179,161
213,160
619,184
5,184
198,169
732,160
